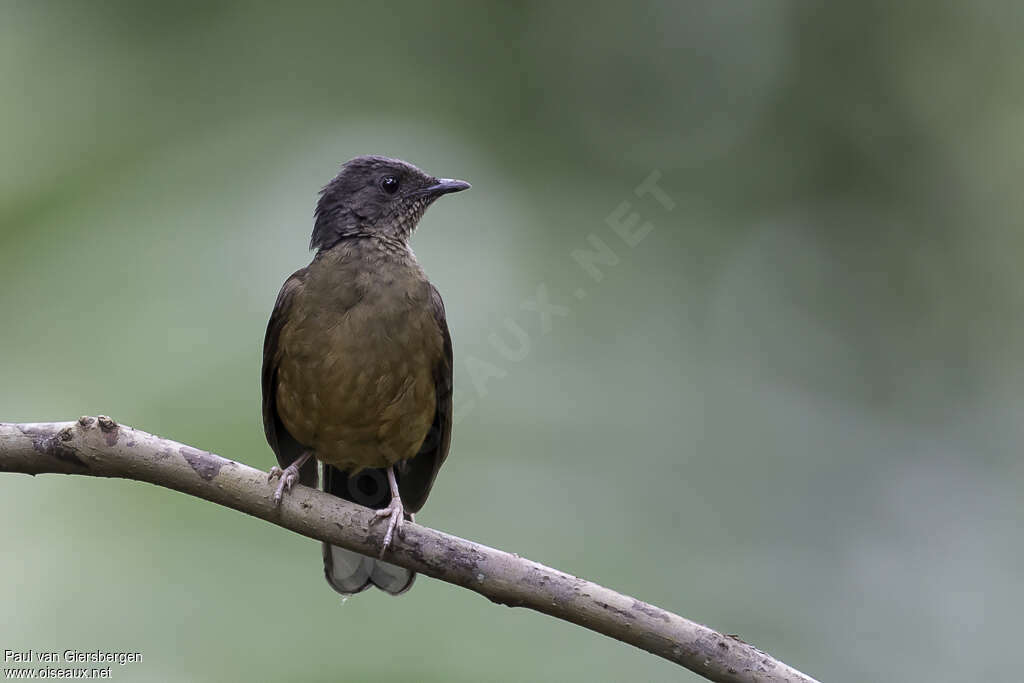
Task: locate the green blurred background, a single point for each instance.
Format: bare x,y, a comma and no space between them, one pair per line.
791,412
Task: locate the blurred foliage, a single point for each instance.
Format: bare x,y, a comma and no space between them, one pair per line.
790,412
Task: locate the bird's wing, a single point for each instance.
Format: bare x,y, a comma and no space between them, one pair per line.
417,474
283,444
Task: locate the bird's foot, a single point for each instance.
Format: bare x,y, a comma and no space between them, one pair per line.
288,476
395,513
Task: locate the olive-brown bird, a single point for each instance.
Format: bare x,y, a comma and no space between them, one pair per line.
357,361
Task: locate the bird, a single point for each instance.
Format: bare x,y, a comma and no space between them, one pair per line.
357,361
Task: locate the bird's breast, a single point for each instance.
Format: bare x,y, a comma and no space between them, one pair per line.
355,377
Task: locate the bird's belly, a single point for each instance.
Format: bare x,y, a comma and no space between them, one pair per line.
357,389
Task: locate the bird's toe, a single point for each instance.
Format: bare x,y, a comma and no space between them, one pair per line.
396,517
288,476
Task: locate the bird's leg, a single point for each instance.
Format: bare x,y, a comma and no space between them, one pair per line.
289,475
394,511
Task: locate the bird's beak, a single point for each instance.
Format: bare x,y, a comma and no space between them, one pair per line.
445,186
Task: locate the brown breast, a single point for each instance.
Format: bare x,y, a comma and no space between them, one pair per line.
355,376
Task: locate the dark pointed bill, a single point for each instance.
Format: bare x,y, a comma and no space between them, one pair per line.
445,186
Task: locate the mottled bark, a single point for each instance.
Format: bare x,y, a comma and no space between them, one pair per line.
101,448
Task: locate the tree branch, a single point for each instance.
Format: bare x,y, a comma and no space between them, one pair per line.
99,447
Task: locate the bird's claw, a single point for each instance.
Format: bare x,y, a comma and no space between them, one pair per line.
288,476
396,514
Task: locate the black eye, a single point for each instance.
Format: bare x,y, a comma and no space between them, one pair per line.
389,184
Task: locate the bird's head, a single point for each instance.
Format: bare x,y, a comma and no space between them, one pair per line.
376,197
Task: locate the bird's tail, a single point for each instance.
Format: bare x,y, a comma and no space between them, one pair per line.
349,572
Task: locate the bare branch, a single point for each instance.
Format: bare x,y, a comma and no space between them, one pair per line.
99,447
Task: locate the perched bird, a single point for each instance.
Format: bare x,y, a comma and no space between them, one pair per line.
357,360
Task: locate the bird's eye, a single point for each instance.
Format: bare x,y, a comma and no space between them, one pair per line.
389,184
